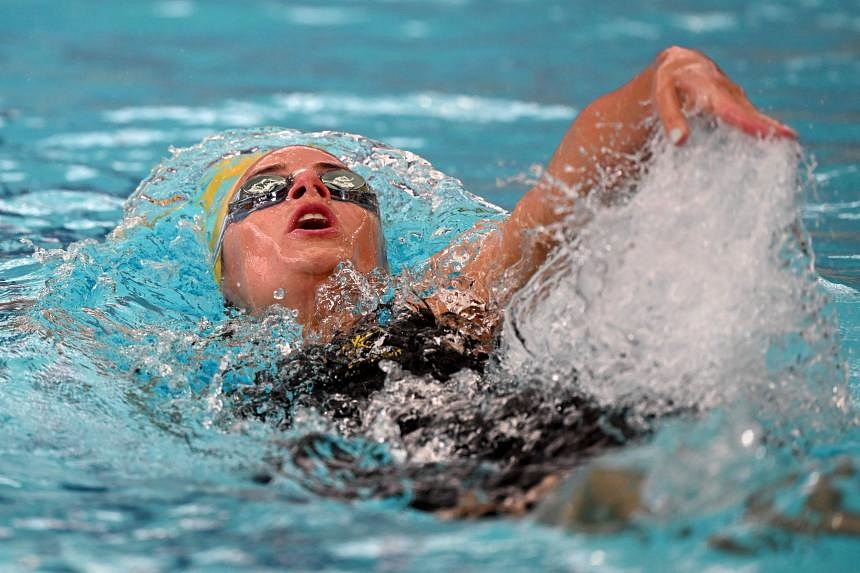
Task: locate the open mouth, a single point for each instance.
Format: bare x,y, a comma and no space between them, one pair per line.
313,222
312,217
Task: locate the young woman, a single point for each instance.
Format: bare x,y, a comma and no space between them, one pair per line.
296,213
292,216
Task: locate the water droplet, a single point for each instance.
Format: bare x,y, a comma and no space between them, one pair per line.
278,294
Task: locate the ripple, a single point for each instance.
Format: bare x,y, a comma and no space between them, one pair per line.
705,22
831,207
838,290
59,202
12,177
323,16
174,9
87,225
449,107
121,138
627,28
80,172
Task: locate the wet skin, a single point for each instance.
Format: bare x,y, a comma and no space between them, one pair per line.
267,251
283,253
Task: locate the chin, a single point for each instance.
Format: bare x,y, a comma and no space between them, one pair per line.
317,260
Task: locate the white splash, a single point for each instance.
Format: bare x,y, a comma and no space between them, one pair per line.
692,293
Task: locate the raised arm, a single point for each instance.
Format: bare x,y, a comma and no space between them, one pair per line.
598,150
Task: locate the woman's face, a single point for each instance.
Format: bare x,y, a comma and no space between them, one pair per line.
281,254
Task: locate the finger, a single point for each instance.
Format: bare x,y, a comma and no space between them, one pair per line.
668,105
749,120
776,128
780,129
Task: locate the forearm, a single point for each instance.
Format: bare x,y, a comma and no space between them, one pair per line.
596,151
603,148
599,150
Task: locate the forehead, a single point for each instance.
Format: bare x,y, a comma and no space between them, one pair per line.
292,158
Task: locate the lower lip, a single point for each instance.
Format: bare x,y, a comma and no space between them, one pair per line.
316,233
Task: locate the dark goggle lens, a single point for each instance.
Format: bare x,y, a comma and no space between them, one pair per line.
346,185
344,181
261,185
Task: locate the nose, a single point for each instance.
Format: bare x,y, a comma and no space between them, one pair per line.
310,183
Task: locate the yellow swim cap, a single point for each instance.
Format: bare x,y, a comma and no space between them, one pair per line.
219,184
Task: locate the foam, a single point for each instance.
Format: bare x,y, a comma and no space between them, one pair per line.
695,291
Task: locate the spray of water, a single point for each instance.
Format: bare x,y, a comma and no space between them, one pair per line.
692,291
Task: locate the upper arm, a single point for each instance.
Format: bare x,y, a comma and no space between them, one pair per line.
598,150
493,260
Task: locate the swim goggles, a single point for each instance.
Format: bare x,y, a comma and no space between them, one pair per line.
263,191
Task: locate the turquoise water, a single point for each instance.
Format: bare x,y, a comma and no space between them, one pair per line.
117,456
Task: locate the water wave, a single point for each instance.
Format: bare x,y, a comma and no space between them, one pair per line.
278,108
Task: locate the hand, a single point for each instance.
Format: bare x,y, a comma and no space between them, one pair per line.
686,82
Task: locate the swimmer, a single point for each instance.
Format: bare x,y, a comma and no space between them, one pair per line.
289,218
295,214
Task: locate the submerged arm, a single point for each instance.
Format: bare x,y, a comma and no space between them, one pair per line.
599,151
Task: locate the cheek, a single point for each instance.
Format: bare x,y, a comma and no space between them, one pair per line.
244,264
367,241
255,243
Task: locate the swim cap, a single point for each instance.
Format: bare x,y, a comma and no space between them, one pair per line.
219,184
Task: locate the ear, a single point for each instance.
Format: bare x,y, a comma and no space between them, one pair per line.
232,276
383,250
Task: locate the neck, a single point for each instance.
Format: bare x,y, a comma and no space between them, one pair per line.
339,302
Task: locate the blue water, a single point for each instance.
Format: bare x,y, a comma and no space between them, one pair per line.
116,457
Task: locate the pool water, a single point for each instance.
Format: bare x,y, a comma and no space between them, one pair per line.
118,454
